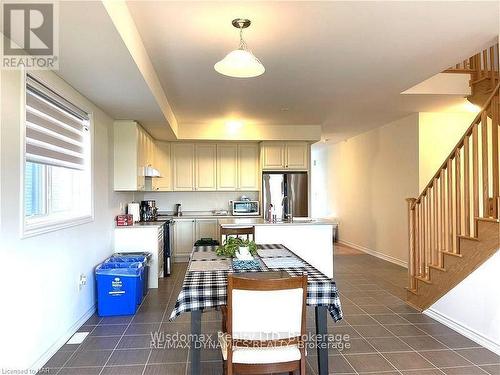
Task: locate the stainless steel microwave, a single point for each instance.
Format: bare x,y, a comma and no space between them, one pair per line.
245,208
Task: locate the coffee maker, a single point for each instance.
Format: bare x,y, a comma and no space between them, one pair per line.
149,212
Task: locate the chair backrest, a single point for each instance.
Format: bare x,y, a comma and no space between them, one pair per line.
247,233
266,309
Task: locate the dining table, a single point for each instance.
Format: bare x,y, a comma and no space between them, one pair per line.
205,288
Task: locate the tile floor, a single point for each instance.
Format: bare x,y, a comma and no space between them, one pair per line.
386,336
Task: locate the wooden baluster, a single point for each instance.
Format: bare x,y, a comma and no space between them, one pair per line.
450,206
435,218
427,235
466,187
492,67
442,245
494,152
421,242
475,175
432,232
477,63
484,71
484,163
418,245
411,244
458,200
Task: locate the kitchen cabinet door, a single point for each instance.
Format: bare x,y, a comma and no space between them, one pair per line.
205,166
183,162
206,228
297,155
273,155
184,231
248,166
227,167
162,163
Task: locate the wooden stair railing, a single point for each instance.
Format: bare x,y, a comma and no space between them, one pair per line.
463,190
482,66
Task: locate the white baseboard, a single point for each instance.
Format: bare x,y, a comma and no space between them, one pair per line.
464,330
377,254
62,340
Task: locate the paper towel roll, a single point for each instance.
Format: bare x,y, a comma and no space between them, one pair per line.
134,210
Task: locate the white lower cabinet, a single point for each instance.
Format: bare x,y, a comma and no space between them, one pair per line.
184,237
206,228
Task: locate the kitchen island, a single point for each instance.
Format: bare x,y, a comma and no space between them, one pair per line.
310,239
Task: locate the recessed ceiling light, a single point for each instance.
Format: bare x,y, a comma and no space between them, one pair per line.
285,109
240,63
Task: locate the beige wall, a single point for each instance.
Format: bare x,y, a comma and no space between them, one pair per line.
438,132
367,179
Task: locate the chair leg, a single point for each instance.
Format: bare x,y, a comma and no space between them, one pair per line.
303,366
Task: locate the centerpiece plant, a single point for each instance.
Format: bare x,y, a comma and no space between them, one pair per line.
231,246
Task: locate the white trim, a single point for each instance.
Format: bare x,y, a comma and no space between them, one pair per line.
43,359
463,330
375,253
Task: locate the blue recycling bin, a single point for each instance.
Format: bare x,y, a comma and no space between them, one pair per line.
144,258
119,288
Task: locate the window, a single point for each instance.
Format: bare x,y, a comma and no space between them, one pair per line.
57,168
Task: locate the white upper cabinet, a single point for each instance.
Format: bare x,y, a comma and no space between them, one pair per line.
163,164
205,166
296,155
273,155
183,156
248,166
227,166
285,155
131,155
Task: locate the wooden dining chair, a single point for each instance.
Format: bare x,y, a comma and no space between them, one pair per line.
265,326
247,233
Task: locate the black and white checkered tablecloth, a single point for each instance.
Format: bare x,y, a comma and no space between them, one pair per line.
203,290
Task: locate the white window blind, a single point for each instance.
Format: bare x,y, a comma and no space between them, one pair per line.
57,132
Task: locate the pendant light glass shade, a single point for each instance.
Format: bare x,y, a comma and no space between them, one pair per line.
240,63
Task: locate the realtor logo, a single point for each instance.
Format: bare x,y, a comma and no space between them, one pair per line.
29,36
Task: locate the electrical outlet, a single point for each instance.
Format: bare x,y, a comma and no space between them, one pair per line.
82,281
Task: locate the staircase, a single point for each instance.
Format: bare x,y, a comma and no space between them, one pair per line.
453,225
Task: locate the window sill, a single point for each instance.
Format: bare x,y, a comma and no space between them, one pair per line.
35,229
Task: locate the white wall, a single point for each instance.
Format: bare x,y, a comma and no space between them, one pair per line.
473,306
41,304
196,200
438,134
367,179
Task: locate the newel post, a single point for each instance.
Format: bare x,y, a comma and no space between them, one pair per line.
411,243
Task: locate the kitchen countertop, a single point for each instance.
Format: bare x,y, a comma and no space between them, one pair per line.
260,221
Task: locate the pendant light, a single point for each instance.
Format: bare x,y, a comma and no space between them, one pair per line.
241,62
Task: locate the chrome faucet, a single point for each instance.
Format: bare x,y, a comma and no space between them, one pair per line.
287,209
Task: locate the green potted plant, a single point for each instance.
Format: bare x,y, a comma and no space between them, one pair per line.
237,247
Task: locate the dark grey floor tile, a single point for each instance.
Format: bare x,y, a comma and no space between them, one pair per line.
408,361
456,341
109,330
148,317
373,331
142,329
369,362
359,320
445,358
80,371
116,320
480,356
466,370
389,319
405,330
423,343
58,359
89,358
377,309
168,356
435,329
129,357
99,342
135,342
432,371
163,369
357,346
491,369
417,318
389,344
93,320
209,368
123,370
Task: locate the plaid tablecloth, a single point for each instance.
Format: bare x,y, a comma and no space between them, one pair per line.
203,290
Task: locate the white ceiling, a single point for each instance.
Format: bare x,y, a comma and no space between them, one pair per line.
338,64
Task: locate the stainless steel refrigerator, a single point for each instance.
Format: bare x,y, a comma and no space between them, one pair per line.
287,192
